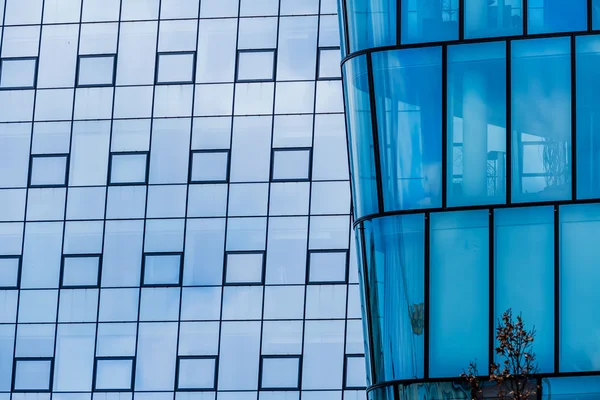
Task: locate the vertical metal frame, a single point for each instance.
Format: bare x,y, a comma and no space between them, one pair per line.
573,117
376,146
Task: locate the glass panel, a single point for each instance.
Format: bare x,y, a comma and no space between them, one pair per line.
80,271
327,267
355,372
360,136
96,70
280,373
113,374
198,373
128,168
567,388
459,292
209,166
493,18
256,65
48,170
162,269
32,375
329,63
429,21
244,267
371,23
595,14
17,73
175,68
524,252
395,279
588,112
548,16
291,164
408,88
9,271
541,134
476,124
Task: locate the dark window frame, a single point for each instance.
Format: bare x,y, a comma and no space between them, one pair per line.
87,255
132,383
92,85
19,269
326,78
345,382
128,153
67,158
160,254
16,360
35,72
328,251
265,50
263,267
216,373
292,149
227,166
279,357
175,53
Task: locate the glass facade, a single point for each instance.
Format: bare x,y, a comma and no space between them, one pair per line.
473,149
175,207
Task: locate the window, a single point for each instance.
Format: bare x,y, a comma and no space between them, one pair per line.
327,266
48,170
175,68
96,70
81,270
329,63
255,65
128,168
429,21
10,268
291,164
162,269
114,373
244,267
209,166
280,372
197,373
18,73
490,19
355,374
556,16
32,374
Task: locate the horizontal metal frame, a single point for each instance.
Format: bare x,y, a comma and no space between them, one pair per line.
133,362
85,56
35,72
326,78
249,252
266,50
34,359
162,254
292,149
279,357
128,153
215,151
19,259
62,271
345,377
216,373
67,158
175,53
346,267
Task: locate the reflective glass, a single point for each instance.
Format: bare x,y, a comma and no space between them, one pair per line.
80,271
548,16
96,70
48,171
408,88
280,373
595,14
113,374
162,269
428,21
541,135
9,271
493,18
128,168
197,373
371,23
244,267
291,164
18,73
175,68
476,124
256,65
32,375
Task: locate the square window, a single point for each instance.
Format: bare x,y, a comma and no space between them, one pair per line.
328,267
80,271
280,372
18,73
162,269
209,166
9,271
175,68
255,65
355,377
329,63
197,373
96,70
291,164
244,267
48,170
32,374
128,168
114,374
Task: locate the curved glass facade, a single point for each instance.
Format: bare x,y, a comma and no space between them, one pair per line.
474,138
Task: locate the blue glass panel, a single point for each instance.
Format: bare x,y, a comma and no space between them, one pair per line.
459,302
361,280
371,23
429,21
395,249
541,120
579,296
595,14
579,388
524,273
493,18
360,136
342,29
385,393
476,170
408,91
588,112
547,16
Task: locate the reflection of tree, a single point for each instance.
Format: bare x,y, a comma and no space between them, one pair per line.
554,158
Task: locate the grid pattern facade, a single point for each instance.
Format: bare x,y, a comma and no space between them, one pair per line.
174,202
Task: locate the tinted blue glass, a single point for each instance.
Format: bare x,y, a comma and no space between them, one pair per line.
476,170
395,277
360,136
580,388
541,120
493,18
342,29
547,16
371,23
579,273
588,111
428,21
595,14
459,301
524,273
408,88
362,279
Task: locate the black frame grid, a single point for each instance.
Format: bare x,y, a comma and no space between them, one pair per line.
162,254
320,251
62,271
345,380
279,357
19,259
244,51
175,53
326,78
263,272
128,153
213,151
292,149
94,376
67,158
34,359
88,56
35,72
216,373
